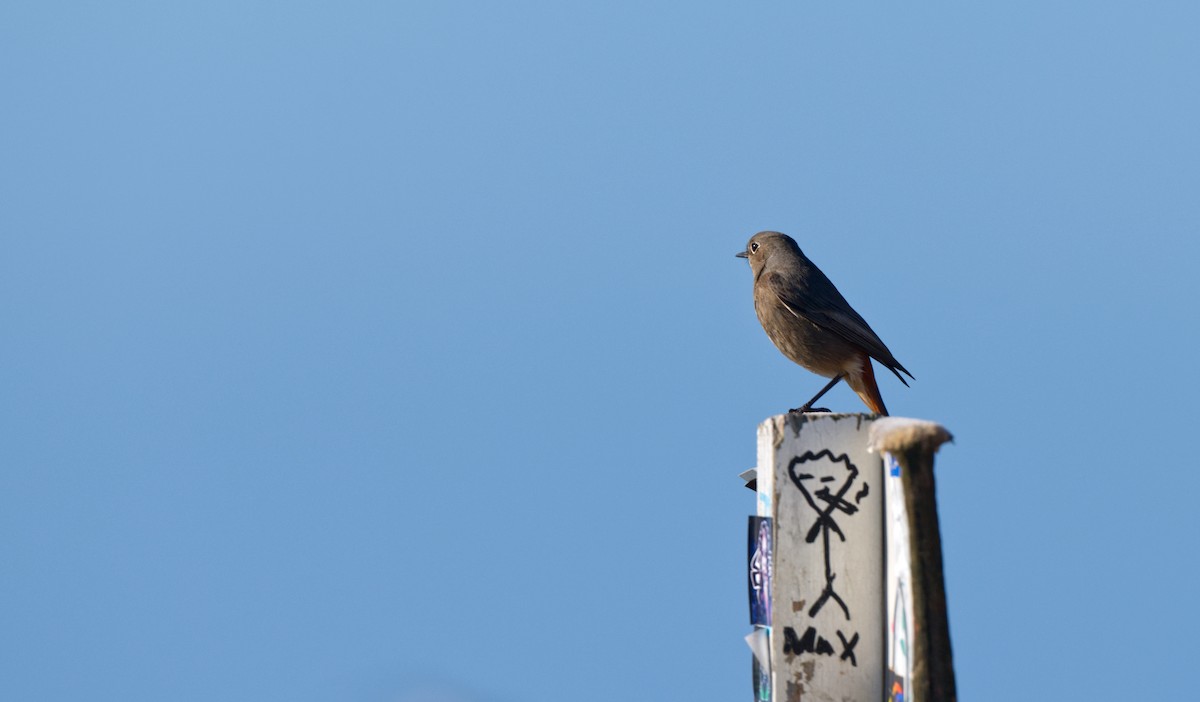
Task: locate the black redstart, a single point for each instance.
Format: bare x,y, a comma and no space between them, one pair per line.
811,323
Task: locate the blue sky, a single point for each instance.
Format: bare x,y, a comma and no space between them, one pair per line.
397,352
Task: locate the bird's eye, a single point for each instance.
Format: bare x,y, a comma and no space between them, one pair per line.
754,247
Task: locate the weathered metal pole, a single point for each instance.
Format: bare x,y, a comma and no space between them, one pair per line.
913,444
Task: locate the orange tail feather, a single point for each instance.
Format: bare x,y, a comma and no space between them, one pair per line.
865,387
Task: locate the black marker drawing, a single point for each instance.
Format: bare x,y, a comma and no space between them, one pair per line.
811,642
808,643
825,523
848,647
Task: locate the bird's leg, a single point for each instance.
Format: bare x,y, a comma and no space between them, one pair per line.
808,406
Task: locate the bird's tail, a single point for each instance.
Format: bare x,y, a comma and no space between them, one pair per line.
864,385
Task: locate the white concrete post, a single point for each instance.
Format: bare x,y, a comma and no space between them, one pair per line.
823,491
835,562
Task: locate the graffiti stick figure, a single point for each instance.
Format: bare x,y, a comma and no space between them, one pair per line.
825,523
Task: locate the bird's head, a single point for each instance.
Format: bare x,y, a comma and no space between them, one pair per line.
764,245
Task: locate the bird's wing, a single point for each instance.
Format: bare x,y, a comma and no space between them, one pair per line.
822,304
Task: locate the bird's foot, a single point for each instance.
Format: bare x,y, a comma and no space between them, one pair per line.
809,410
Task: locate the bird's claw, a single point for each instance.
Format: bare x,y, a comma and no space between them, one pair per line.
809,410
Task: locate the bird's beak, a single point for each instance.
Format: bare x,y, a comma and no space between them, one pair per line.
742,254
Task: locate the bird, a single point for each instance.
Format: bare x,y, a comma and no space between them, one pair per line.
812,324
